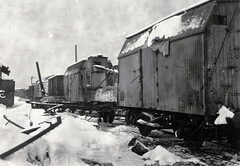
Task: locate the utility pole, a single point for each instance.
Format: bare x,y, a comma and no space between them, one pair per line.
75,53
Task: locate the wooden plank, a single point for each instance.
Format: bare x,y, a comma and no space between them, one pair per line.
15,124
31,139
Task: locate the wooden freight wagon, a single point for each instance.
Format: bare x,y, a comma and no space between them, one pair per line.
38,90
31,92
83,79
185,64
55,86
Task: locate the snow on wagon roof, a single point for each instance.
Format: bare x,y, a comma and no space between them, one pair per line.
201,2
186,22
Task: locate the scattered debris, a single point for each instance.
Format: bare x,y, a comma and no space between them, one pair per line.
137,147
94,163
31,139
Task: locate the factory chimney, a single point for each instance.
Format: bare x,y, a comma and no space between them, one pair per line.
75,53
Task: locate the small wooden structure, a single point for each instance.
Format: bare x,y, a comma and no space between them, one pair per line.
7,88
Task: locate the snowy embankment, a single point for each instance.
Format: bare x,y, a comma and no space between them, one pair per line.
74,142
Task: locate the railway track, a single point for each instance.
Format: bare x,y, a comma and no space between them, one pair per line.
211,153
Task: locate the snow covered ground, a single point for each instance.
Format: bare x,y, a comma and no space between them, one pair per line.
74,142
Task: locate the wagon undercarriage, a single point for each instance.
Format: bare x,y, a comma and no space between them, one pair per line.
105,110
193,129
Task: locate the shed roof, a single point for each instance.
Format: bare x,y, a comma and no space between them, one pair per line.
186,22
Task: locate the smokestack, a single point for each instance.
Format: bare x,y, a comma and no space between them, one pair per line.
75,53
40,80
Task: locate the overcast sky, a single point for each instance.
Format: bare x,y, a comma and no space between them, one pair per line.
46,31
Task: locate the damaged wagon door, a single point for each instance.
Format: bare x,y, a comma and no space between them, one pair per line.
130,86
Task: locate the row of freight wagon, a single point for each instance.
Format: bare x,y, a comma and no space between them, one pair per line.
176,73
92,79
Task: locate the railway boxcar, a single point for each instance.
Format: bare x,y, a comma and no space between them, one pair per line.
84,80
182,69
38,90
88,85
55,86
31,92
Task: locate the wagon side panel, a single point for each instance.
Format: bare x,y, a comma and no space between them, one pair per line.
129,81
150,79
188,74
223,47
58,86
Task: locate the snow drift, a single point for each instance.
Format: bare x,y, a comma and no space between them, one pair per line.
73,142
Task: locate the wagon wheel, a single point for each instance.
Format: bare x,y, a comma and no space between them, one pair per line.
111,116
233,131
128,117
144,129
118,115
233,137
108,116
193,140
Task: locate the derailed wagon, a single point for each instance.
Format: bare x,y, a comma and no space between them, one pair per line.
179,71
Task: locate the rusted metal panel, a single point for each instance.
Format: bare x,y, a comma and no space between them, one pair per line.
129,81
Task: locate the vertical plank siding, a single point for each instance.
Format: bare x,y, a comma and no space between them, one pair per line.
198,73
174,82
129,74
223,59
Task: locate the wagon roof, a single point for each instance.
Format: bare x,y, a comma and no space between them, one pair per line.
54,76
186,22
74,68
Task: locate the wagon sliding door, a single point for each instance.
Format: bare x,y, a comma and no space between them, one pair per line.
150,79
175,82
129,85
159,90
188,71
223,58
